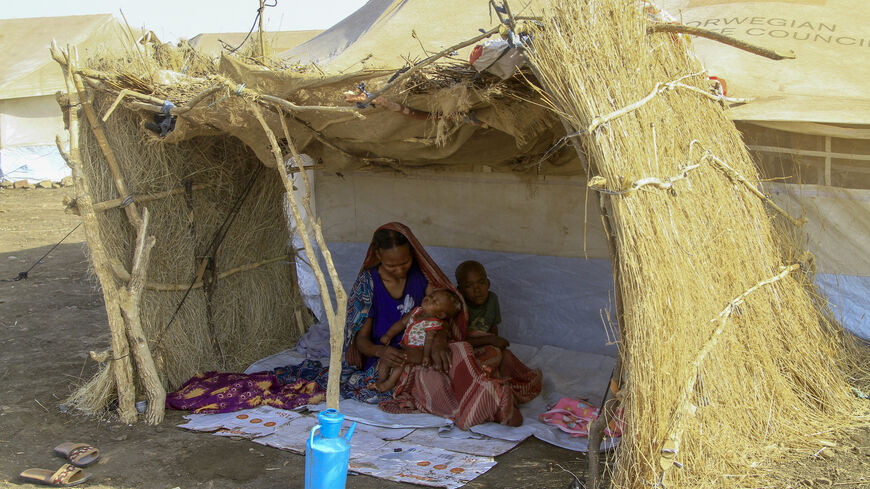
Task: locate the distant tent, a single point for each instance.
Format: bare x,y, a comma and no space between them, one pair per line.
213,43
29,116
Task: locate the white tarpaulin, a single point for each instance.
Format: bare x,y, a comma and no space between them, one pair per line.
837,227
33,163
545,300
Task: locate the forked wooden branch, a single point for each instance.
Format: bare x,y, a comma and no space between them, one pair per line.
302,228
106,148
336,330
122,368
129,301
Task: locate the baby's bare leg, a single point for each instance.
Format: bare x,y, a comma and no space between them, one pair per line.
383,374
389,382
427,348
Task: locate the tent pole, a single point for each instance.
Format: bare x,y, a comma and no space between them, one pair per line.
122,367
335,318
262,43
597,429
607,409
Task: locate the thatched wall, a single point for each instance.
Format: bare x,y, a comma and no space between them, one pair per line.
250,312
731,365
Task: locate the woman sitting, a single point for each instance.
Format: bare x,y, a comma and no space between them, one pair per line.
395,276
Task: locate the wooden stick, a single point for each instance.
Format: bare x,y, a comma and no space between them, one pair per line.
597,427
262,43
299,322
606,411
129,301
121,365
97,128
336,327
735,175
715,36
111,204
431,59
291,107
684,406
122,274
336,322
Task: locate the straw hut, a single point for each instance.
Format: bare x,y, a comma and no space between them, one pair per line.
729,360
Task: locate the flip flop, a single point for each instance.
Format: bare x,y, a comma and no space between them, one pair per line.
67,475
78,454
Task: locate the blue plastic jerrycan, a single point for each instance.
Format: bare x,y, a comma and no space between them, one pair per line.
327,455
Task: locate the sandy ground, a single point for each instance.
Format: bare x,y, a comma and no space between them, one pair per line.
50,321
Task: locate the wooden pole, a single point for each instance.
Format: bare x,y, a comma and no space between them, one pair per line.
100,134
594,446
122,274
596,430
129,302
111,204
336,321
336,327
122,368
262,42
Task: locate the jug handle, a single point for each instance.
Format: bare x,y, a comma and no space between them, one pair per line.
349,432
311,438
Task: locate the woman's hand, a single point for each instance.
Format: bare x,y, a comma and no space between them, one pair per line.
441,352
392,357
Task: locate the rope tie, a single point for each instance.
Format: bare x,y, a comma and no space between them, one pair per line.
127,201
238,91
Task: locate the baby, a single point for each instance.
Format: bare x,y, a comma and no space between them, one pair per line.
484,315
420,326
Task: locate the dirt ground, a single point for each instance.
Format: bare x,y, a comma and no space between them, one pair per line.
50,321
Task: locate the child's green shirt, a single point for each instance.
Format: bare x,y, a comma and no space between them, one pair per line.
485,316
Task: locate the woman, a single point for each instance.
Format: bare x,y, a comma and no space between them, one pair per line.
394,277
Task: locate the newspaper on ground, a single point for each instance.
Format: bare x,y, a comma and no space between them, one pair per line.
429,466
247,423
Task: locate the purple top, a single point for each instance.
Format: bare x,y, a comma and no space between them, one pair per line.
386,310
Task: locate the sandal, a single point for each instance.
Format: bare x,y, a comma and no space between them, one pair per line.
78,454
67,475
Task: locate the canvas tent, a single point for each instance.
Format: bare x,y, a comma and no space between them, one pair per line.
807,126
213,43
29,116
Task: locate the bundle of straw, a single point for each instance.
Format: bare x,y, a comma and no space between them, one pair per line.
729,362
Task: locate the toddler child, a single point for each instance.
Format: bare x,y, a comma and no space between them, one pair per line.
420,326
484,315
